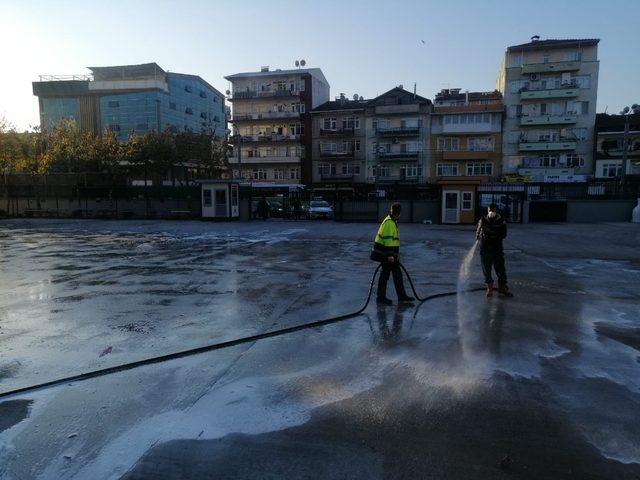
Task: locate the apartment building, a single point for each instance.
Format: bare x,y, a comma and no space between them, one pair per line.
610,141
339,142
131,98
466,146
397,131
550,91
272,123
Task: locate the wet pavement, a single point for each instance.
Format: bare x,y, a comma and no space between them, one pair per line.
548,383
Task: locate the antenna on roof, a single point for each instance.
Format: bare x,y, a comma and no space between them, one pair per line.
297,63
303,62
535,38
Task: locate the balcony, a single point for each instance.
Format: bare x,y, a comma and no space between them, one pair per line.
398,156
271,138
398,132
540,146
466,155
491,107
264,160
337,132
246,117
336,155
252,94
547,119
551,93
399,178
550,67
337,177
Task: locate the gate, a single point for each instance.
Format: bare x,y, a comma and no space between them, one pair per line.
544,211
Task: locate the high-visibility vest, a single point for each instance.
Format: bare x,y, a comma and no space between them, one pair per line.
388,236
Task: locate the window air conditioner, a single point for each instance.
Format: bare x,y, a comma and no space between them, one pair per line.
534,77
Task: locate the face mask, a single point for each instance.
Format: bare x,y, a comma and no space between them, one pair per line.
492,215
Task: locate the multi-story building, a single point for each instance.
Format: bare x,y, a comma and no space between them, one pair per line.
466,146
339,142
550,91
129,98
272,123
397,124
610,139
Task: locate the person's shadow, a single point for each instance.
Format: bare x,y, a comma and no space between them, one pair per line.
389,330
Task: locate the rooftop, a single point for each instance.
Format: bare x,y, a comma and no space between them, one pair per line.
127,72
535,44
341,104
457,94
314,72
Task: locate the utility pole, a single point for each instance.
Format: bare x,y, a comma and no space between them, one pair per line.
625,147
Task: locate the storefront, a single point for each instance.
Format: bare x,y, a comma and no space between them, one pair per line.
509,199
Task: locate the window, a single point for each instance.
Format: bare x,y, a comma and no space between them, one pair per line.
383,171
350,168
351,123
467,201
326,147
545,58
578,133
611,169
298,107
581,81
296,129
203,94
356,145
584,108
187,88
575,160
113,104
259,174
480,144
327,169
411,171
294,174
329,124
114,127
477,169
573,56
188,111
280,174
172,106
448,144
447,169
206,197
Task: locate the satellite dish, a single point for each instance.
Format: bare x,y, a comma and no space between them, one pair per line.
361,98
625,110
297,63
303,62
228,92
355,96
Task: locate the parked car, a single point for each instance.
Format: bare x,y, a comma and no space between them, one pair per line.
319,209
276,209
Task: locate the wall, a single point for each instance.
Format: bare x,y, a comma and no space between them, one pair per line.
416,211
590,211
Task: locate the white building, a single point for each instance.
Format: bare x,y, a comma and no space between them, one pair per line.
272,123
550,91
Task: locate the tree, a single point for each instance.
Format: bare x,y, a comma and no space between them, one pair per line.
69,149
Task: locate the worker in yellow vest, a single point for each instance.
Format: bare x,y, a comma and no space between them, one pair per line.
386,249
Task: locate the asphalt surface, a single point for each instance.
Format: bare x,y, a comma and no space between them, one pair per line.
544,385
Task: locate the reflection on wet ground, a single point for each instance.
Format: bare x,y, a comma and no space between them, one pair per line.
549,379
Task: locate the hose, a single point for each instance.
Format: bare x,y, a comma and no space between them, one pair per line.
218,346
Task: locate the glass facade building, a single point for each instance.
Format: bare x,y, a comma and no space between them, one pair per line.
133,98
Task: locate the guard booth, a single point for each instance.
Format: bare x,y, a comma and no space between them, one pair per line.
220,199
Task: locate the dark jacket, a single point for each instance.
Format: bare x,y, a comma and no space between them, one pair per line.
491,232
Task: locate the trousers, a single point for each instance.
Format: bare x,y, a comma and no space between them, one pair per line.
493,258
389,268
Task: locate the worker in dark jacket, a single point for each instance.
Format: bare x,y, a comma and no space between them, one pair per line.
492,230
387,245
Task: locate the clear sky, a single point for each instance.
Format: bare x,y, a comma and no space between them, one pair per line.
364,47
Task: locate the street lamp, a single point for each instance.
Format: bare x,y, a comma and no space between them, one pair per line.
626,112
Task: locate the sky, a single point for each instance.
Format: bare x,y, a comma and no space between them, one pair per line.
363,47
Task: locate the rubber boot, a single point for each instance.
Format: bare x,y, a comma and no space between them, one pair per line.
504,291
489,290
